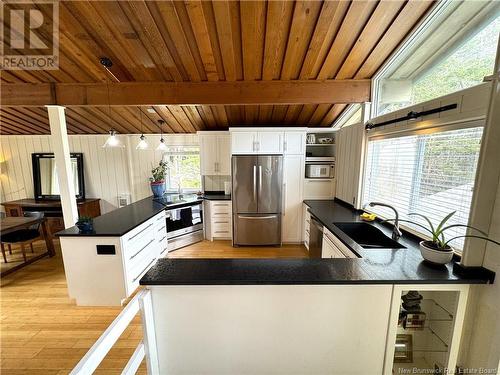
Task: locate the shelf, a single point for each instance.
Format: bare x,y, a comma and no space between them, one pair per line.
433,343
319,144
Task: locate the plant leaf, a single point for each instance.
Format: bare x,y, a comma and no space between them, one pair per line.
473,236
463,225
433,231
446,218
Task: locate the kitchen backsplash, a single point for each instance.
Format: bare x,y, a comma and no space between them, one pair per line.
215,183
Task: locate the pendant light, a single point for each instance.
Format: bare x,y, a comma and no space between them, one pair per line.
142,145
113,141
162,146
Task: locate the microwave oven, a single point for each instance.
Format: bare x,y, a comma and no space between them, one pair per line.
320,170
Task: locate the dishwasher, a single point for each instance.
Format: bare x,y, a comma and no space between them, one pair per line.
315,238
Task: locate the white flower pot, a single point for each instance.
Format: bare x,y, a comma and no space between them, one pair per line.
435,256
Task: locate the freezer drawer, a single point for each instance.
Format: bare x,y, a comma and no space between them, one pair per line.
256,229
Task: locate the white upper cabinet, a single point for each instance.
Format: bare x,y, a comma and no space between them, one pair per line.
243,142
224,153
268,141
215,153
208,154
294,143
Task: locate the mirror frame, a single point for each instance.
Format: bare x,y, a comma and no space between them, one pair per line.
35,160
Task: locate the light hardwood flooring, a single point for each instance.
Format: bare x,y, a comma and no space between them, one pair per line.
42,331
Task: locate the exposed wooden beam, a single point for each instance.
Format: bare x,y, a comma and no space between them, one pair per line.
186,93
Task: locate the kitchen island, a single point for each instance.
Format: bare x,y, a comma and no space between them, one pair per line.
103,266
305,316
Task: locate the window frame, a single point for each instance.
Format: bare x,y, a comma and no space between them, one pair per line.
167,154
398,56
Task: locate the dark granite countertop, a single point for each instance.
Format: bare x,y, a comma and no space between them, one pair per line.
122,220
376,266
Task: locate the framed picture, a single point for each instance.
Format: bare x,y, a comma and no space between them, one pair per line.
403,352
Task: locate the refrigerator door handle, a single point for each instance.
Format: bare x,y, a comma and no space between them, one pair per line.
254,182
260,180
257,217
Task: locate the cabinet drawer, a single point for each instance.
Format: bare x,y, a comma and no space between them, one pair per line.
140,242
220,208
135,234
219,228
222,219
135,274
163,245
136,258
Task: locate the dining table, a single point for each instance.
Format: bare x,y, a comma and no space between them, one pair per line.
12,223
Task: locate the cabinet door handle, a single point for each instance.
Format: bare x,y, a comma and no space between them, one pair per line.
161,229
163,238
145,269
135,235
165,249
133,256
285,146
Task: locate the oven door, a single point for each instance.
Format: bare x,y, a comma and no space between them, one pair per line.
184,220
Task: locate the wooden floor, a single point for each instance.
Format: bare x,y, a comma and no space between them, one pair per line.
42,331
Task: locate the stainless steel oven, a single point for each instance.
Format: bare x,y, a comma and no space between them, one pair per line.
184,225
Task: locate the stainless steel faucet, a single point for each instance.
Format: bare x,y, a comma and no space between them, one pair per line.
396,233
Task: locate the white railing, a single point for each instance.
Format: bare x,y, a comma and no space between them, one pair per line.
146,348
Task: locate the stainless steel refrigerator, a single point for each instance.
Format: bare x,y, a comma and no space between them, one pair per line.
257,199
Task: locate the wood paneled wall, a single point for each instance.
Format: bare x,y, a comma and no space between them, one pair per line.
108,172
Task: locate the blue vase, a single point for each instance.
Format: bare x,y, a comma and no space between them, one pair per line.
158,188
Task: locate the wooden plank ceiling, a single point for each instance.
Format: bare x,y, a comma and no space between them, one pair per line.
199,41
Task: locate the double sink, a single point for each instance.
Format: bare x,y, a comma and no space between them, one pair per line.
368,236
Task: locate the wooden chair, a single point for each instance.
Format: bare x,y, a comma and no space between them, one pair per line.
22,237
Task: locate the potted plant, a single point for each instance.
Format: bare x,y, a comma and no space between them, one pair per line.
158,179
84,223
437,249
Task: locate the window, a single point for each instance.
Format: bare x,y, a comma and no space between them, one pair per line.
455,50
431,174
183,168
351,115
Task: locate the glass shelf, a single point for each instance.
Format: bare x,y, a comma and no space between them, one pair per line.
426,341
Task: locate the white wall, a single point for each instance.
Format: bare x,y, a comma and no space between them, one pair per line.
108,172
482,334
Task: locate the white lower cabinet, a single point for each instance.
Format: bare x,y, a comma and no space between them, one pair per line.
104,271
332,247
218,220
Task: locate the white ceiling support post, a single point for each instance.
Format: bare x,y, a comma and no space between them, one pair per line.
60,143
